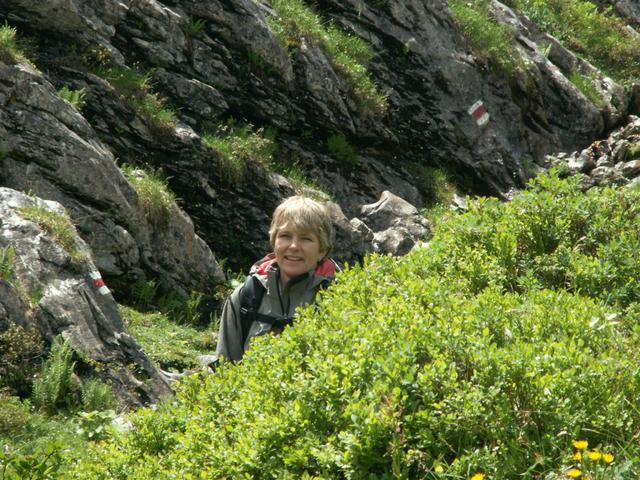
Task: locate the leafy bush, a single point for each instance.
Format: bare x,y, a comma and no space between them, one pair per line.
54,388
14,415
436,185
21,354
586,85
195,27
482,354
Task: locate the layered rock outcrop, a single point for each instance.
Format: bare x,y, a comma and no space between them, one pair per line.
54,287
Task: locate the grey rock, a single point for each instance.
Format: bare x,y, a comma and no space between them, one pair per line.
630,169
397,225
54,290
51,150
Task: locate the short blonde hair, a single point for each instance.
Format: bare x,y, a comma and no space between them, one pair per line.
303,213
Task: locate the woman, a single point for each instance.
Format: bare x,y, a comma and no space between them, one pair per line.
300,235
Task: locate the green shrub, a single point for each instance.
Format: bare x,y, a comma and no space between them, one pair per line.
96,395
182,310
294,19
239,144
59,226
596,34
96,424
44,464
54,388
486,351
341,150
436,185
75,97
492,41
14,415
157,201
21,354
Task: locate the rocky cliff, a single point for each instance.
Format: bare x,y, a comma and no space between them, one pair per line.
212,63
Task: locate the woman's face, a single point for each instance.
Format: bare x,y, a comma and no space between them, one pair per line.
297,252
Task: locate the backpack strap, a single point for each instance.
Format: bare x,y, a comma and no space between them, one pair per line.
250,300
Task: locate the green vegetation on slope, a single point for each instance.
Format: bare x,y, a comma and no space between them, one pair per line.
513,333
489,39
294,19
597,35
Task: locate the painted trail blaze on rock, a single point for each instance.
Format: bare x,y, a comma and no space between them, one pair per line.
479,113
98,283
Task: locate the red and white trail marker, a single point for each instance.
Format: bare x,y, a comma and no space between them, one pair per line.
98,283
479,113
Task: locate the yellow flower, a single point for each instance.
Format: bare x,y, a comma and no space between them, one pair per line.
608,458
594,455
574,473
478,476
577,456
580,444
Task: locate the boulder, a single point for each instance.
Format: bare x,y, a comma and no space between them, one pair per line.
397,225
53,284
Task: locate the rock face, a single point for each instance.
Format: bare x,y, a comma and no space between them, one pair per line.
49,149
58,290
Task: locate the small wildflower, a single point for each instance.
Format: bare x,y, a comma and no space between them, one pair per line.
574,473
580,444
577,456
478,476
608,458
594,455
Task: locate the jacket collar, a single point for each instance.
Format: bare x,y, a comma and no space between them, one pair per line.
327,268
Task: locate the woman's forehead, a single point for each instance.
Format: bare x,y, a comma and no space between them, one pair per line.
293,227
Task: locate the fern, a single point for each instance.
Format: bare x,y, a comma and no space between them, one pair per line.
144,291
96,396
54,388
7,256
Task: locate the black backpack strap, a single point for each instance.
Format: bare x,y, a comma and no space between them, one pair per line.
250,299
